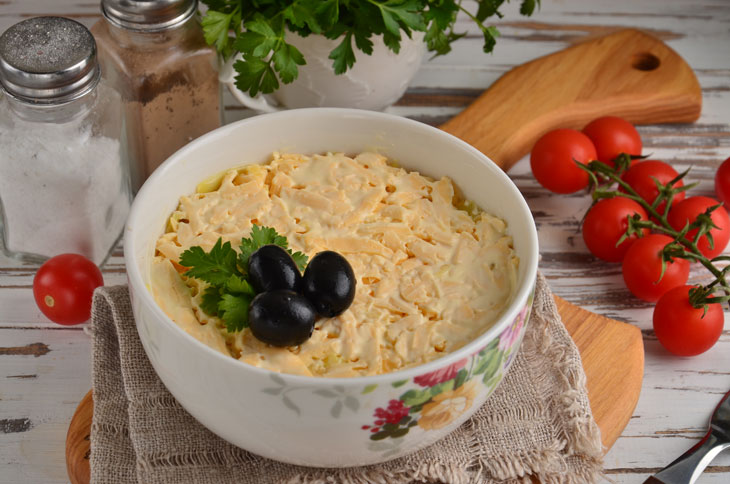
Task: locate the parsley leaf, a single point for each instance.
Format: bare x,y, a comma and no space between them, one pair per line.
229,293
363,43
267,235
528,7
437,41
211,298
269,82
390,22
300,259
253,44
399,14
215,28
250,72
260,236
214,267
490,38
488,8
392,41
263,31
327,13
342,55
223,17
286,59
303,13
239,285
443,15
233,310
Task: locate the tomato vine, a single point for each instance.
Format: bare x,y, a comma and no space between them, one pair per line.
603,177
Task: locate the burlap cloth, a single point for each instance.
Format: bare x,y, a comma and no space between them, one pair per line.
538,422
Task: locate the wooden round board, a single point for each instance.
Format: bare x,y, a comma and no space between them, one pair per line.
613,359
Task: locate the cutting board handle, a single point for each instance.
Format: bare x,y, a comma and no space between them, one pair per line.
628,74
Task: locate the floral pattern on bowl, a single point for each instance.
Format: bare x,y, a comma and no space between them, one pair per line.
428,402
440,397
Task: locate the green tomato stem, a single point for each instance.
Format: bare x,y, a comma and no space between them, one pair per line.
692,251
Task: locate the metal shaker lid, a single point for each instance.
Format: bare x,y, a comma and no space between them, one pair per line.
148,15
48,60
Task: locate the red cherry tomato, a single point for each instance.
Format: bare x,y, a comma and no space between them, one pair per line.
612,136
63,287
681,328
553,160
687,210
722,182
641,178
642,267
604,225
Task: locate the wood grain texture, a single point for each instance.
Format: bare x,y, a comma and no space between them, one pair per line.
78,442
628,73
613,359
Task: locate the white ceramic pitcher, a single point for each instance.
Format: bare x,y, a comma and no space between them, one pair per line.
374,82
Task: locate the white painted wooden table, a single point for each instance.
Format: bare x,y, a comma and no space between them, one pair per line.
44,368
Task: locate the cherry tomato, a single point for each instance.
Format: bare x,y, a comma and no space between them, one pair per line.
63,287
553,160
612,136
642,267
641,178
722,182
687,210
604,225
681,328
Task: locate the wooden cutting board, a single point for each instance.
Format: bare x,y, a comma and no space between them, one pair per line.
628,74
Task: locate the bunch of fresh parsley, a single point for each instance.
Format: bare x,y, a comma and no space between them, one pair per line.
256,29
229,293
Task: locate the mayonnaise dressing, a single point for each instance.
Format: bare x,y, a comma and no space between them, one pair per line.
430,276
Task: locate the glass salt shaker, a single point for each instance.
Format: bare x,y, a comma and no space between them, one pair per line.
64,177
154,53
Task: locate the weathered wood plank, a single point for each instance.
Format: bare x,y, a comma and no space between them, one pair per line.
39,391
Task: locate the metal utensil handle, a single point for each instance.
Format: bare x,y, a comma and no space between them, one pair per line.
688,467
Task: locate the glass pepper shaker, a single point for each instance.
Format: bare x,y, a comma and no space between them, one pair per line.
154,53
64,178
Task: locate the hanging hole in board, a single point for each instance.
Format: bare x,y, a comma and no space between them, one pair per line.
645,61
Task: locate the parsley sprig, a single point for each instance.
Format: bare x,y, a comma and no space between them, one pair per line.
229,293
257,29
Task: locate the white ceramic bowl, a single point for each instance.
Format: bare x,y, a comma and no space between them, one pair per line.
328,422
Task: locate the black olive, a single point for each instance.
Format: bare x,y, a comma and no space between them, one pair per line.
271,268
281,318
329,283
